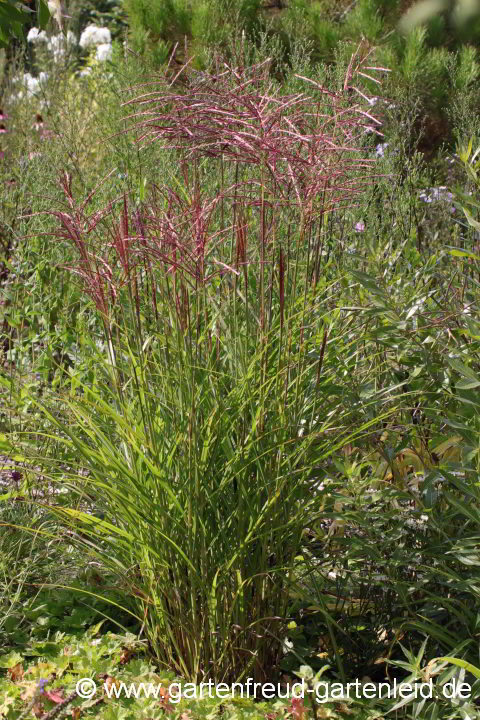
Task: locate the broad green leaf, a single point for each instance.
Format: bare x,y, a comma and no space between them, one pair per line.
467,384
463,369
11,14
402,703
369,283
471,220
468,511
461,664
464,253
43,14
10,660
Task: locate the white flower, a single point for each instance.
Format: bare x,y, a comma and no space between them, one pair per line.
380,149
56,47
31,83
94,35
36,36
58,44
104,52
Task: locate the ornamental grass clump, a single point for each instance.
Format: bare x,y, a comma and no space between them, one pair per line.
217,395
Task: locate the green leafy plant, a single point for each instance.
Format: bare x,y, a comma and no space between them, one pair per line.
214,353
13,16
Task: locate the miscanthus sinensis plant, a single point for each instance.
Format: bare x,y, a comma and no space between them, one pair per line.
217,394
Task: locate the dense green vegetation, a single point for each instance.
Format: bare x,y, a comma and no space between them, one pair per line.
240,357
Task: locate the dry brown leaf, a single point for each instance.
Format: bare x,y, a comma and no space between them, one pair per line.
111,682
343,708
126,655
16,673
165,700
38,710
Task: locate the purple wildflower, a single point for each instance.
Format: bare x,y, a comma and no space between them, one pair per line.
41,685
436,194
